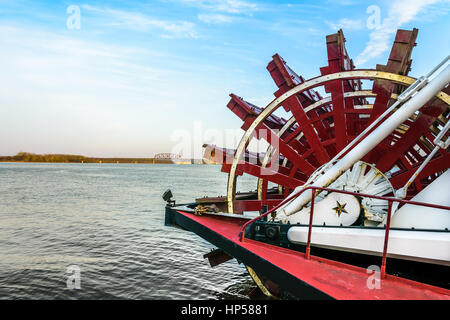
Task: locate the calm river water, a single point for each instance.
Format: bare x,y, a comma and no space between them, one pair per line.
108,221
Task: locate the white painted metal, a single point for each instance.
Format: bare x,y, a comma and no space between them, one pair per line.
324,212
419,217
365,178
381,132
438,140
424,246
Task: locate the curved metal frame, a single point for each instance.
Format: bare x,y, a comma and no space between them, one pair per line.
312,83
257,280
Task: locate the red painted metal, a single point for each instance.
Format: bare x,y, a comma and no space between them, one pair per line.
338,280
386,240
286,150
308,244
429,113
306,126
254,205
339,60
399,62
267,174
437,164
286,79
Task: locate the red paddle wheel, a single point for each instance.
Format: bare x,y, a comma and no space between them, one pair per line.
360,141
319,126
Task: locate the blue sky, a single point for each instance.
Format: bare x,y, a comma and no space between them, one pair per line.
136,74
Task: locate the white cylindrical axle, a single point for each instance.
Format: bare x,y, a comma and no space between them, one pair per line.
371,141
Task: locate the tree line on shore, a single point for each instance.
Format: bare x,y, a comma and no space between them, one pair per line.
70,158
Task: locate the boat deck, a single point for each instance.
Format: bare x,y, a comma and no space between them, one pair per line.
314,278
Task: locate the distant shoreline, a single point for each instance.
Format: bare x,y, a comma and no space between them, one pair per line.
177,163
25,157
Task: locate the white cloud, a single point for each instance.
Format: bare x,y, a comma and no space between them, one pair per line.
138,21
346,24
66,94
227,6
343,2
399,13
215,18
236,6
